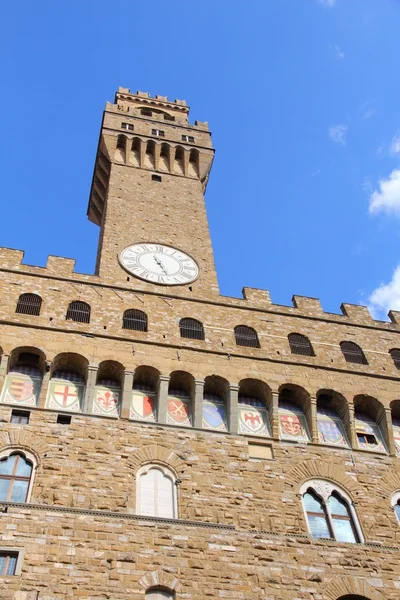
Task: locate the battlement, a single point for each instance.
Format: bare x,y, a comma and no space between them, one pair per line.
155,107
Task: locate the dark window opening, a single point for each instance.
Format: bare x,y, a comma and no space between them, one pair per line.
366,438
127,126
168,117
64,419
246,336
20,417
78,312
191,329
158,132
300,344
134,319
146,112
395,354
156,178
29,304
353,353
188,138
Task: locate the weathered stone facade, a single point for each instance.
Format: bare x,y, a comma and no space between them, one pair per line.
241,530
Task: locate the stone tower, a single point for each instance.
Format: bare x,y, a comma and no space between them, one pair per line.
150,176
159,441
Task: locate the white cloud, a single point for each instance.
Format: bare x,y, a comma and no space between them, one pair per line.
338,133
386,297
339,53
368,114
387,197
327,2
395,144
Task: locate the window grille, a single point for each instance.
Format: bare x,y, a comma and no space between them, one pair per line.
156,178
8,563
191,329
246,336
300,344
79,312
29,304
15,476
353,353
395,354
134,319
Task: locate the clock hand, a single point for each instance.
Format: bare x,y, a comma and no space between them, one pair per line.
158,261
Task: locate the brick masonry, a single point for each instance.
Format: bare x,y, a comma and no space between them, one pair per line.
241,531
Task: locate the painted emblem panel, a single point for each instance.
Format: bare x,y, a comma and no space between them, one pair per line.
253,417
331,429
22,387
292,423
107,401
179,411
65,392
214,414
143,406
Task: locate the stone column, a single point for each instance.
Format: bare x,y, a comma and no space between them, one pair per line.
162,398
273,414
198,403
128,144
45,385
4,362
311,416
90,389
233,405
351,429
157,151
385,423
127,394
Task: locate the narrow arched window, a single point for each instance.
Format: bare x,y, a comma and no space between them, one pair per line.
353,353
246,336
156,493
396,505
159,594
316,516
395,354
78,311
134,319
29,304
15,477
192,329
300,344
330,513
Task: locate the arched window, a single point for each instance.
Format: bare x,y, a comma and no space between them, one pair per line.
78,311
353,353
246,336
158,593
134,319
156,492
29,304
396,505
15,477
191,329
395,354
329,512
300,344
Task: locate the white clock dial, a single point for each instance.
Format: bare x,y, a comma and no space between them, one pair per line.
159,264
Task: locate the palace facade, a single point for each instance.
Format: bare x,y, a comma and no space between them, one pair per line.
161,441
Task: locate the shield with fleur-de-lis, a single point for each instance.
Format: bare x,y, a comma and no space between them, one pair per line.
107,402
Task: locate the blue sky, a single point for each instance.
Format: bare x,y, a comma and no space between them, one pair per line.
302,97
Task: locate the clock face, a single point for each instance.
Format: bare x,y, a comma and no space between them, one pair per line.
159,264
